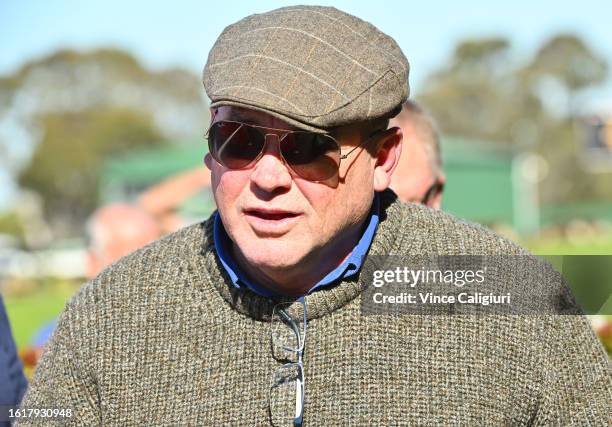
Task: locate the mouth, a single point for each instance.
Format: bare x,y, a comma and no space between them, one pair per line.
271,222
272,215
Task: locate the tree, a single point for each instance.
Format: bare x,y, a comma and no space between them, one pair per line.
571,61
485,93
62,114
65,165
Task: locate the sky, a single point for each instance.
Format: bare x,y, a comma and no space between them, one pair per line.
165,34
181,32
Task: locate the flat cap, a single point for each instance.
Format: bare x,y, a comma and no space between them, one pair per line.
311,66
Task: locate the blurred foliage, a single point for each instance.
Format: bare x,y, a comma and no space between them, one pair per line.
600,245
104,65
11,225
485,93
64,167
570,60
68,111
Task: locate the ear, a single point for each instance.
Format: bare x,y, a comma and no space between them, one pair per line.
436,200
387,157
208,161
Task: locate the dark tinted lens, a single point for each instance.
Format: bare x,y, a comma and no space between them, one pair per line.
234,145
312,156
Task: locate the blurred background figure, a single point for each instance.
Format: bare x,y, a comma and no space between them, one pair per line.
419,177
116,230
112,231
162,201
12,381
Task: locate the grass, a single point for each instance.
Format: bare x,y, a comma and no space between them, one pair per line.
584,276
27,313
566,248
595,245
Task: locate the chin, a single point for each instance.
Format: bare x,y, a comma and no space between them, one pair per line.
273,254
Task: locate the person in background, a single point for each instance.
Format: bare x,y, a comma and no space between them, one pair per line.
419,177
113,231
116,230
163,200
13,383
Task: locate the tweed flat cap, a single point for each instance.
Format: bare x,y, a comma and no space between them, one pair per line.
311,66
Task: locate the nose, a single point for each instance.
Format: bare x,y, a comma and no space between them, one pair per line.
270,172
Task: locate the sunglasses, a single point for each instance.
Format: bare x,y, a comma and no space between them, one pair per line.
312,156
436,187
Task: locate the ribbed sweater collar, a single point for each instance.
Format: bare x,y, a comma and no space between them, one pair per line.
319,303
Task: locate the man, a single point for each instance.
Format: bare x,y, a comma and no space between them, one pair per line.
418,177
12,381
254,316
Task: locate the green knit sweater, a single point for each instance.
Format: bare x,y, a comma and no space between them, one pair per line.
162,338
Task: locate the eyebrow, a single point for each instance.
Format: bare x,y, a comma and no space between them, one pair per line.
240,116
237,115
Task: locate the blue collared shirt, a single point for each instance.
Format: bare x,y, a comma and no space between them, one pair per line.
349,266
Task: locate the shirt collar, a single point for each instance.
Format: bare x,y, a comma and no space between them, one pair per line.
349,267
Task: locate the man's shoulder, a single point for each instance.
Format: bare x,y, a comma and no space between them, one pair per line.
158,256
153,267
536,286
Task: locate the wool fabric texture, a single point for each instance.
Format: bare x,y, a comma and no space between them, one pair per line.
162,337
311,66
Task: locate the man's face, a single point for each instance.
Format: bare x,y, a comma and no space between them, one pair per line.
279,221
413,176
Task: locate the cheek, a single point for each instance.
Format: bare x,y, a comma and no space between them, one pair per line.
359,189
337,208
215,177
317,197
226,186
